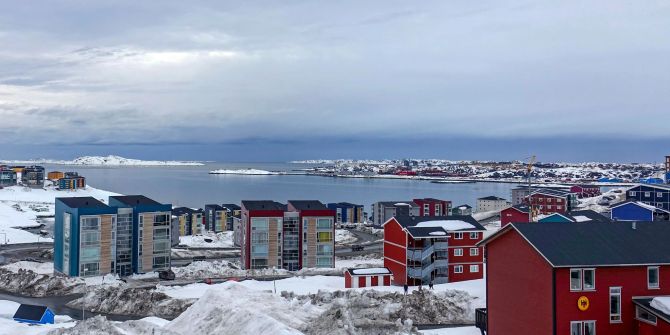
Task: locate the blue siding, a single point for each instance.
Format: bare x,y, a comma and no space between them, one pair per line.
554,218
632,212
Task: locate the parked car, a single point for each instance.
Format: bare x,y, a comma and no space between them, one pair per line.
198,258
166,275
357,247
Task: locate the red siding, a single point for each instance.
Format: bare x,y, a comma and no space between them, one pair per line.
374,281
643,328
347,279
549,204
633,283
399,271
387,280
395,257
361,281
518,286
512,215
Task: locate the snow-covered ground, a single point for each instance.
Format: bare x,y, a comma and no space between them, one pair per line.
251,172
218,240
453,331
20,206
344,236
110,160
602,202
39,268
10,327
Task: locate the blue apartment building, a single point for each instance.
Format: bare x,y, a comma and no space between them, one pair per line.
130,235
347,212
657,195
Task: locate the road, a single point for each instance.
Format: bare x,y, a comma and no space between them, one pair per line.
10,253
371,244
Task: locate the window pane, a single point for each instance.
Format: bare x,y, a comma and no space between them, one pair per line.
575,279
653,277
576,328
324,236
589,328
589,280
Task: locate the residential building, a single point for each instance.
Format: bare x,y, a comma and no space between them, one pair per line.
233,213
548,201
174,231
71,181
33,176
433,207
655,195
7,177
299,234
667,169
575,216
421,249
517,213
347,212
18,168
462,210
384,210
55,175
585,191
34,314
597,278
149,223
84,244
520,193
367,277
215,218
190,221
632,210
491,203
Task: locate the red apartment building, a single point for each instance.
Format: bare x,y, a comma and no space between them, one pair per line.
577,279
299,234
516,213
433,207
421,249
586,191
547,201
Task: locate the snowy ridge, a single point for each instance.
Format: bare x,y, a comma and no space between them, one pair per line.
110,160
250,172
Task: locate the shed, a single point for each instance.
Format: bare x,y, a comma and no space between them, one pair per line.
34,314
367,277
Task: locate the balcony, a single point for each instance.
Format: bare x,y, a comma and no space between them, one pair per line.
441,263
441,245
481,319
419,254
420,272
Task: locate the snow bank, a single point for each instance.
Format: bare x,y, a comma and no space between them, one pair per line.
110,160
250,172
245,311
662,304
448,225
218,240
39,268
344,236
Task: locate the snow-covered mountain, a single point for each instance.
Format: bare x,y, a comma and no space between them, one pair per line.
110,160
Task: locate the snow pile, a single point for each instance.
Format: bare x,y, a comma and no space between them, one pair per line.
216,240
245,311
29,283
662,304
38,268
602,202
374,312
131,301
582,218
479,216
99,325
250,172
344,236
110,160
221,269
448,225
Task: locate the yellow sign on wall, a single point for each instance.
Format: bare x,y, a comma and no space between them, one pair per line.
583,303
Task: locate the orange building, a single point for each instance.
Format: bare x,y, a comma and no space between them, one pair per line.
55,175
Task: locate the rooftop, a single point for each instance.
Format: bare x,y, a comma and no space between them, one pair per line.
263,205
449,223
427,232
30,312
491,197
302,205
232,207
369,271
82,202
596,243
133,200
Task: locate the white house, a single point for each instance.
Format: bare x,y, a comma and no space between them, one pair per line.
491,203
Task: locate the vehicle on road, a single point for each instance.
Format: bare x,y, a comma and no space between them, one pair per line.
357,247
166,275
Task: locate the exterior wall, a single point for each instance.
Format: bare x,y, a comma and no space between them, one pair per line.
512,215
631,212
395,251
347,279
655,196
583,191
546,204
633,283
147,243
366,280
106,258
491,205
444,207
7,177
274,218
55,175
519,288
466,243
554,218
660,328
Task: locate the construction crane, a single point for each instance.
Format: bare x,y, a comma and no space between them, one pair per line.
529,170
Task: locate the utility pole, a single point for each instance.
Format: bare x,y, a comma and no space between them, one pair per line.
531,161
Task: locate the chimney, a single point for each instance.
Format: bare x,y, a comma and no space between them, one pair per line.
634,225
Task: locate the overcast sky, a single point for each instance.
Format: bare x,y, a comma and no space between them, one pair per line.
313,77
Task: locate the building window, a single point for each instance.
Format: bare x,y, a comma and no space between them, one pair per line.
631,193
474,268
426,210
559,207
549,207
582,328
474,236
644,315
474,251
438,209
324,224
458,236
458,269
582,279
324,236
647,194
652,277
615,304
659,195
458,252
